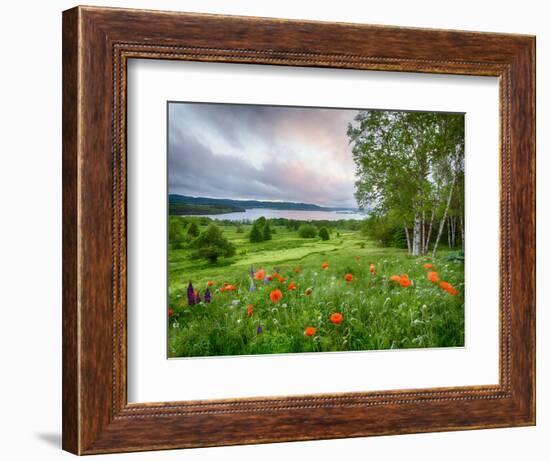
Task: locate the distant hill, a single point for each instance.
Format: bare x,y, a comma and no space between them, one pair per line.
182,202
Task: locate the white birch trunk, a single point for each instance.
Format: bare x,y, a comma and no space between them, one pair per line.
417,235
408,239
444,218
429,233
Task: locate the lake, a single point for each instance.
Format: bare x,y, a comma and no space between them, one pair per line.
300,215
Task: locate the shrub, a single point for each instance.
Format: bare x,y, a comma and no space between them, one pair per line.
211,244
267,232
193,230
307,231
176,230
323,233
256,234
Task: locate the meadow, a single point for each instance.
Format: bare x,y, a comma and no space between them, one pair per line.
292,294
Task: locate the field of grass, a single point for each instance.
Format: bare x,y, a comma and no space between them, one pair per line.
377,312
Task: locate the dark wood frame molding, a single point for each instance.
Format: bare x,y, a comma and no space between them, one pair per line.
97,43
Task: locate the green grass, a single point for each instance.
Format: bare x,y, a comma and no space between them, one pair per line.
378,314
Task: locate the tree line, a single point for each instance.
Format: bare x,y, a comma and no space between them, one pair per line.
410,175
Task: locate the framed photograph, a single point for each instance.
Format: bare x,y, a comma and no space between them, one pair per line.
281,230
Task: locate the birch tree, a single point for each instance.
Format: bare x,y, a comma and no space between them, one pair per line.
405,163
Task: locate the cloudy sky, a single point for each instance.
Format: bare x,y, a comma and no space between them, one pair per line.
260,152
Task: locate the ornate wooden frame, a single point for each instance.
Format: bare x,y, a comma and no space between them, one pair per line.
97,43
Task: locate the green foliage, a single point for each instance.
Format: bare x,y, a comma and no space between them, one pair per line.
384,231
211,245
176,230
256,234
307,231
239,229
323,233
193,230
455,256
267,232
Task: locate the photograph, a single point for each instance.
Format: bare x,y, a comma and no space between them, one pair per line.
312,229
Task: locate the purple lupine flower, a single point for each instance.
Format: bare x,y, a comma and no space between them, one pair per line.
197,297
252,286
190,294
207,296
259,330
266,281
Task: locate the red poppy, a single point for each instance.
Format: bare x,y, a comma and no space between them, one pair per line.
222,289
210,283
433,277
259,275
170,312
249,310
275,275
230,287
395,278
308,291
405,282
448,288
348,277
291,286
276,295
372,269
324,265
310,331
336,318
427,265
281,279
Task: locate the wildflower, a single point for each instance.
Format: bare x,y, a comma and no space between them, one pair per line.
259,330
230,287
210,283
310,331
405,282
197,297
395,278
448,288
427,265
275,275
190,294
291,286
235,302
324,265
281,279
207,296
170,312
221,289
249,310
275,295
260,275
251,272
336,318
348,277
433,277
266,280
372,269
308,291
297,269
252,286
